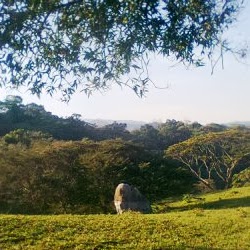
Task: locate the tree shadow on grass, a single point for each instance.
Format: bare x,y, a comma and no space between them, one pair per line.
219,204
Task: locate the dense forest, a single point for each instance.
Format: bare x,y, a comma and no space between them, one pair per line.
50,164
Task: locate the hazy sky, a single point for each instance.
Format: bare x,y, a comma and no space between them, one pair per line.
192,94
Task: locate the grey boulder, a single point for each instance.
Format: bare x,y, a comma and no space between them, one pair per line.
129,198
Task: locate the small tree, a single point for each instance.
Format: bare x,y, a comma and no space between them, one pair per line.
18,136
242,179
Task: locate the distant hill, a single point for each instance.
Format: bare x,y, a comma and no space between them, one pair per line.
239,123
131,125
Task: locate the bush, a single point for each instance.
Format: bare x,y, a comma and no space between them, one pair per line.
242,179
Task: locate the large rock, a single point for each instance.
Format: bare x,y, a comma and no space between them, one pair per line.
129,198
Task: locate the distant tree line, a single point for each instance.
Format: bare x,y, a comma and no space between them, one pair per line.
15,115
50,164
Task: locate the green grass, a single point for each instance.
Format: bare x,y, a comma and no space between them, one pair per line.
232,198
215,221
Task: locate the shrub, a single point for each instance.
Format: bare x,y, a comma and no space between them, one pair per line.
242,179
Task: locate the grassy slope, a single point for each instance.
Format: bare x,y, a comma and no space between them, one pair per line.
217,221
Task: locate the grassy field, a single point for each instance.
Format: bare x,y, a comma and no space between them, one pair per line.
215,221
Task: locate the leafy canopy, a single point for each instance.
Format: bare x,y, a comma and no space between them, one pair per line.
214,156
66,45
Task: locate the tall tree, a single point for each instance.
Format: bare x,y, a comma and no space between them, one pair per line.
11,111
69,44
214,156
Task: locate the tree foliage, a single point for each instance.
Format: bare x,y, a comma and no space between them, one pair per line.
81,176
242,179
160,136
77,170
68,44
214,157
15,115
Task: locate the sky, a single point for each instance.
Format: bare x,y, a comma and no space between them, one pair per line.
192,94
